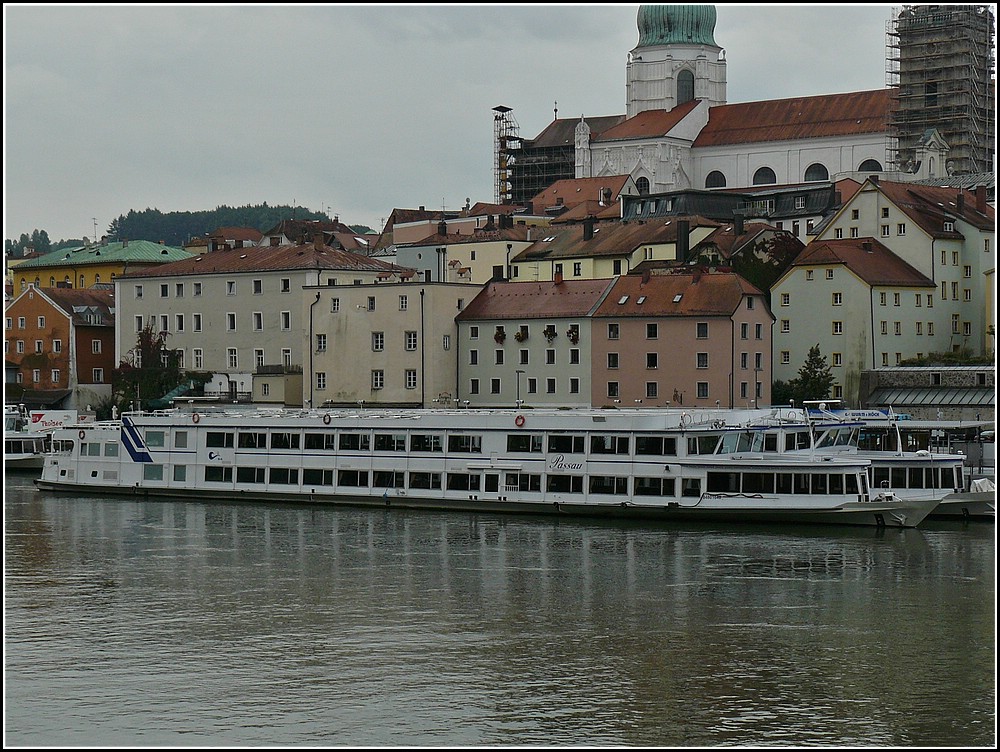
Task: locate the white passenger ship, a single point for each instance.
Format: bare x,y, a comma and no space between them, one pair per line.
664,464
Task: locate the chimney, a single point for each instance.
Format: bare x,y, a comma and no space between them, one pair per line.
683,239
558,278
960,202
588,228
981,199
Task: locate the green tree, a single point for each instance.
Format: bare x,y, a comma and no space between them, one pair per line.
147,372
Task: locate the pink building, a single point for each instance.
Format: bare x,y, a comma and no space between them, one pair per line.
686,338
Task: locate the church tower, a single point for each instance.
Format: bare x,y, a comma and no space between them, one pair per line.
676,60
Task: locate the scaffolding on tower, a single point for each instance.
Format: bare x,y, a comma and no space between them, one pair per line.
506,141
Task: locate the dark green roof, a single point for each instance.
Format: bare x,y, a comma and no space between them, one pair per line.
132,251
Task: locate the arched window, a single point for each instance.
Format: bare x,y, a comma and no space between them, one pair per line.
715,179
642,184
816,171
870,165
764,176
685,86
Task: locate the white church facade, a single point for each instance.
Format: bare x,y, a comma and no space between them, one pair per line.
680,133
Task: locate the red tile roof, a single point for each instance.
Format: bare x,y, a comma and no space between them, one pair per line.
575,191
865,257
525,300
676,294
648,124
265,259
800,117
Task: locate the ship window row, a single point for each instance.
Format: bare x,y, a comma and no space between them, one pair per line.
782,483
599,485
916,477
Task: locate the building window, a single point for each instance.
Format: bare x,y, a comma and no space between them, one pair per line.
410,341
378,341
764,176
378,379
232,358
321,379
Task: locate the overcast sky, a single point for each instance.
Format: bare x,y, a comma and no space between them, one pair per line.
350,109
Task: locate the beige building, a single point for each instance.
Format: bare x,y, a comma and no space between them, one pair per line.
238,313
387,344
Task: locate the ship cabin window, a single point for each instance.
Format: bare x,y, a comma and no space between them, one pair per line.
796,440
566,444
703,444
463,482
524,442
654,487
286,476
324,441
223,439
285,440
316,477
251,441
465,443
152,472
656,445
564,483
523,482
219,473
608,484
390,442
388,479
425,480
609,444
358,442
155,439
426,442
250,474
352,478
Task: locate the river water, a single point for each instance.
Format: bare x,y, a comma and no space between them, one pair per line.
154,623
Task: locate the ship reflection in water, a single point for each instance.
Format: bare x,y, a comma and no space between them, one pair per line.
159,623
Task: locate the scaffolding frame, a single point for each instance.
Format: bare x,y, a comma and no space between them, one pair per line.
941,65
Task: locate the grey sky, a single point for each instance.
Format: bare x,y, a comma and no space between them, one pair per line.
353,109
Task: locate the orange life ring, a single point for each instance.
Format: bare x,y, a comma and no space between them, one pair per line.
326,419
519,421
195,418
83,434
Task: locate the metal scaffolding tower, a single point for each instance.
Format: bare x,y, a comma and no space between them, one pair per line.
506,140
941,64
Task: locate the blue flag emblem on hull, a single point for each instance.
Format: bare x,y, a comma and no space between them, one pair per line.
133,442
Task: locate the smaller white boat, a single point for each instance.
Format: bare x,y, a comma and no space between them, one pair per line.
22,449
